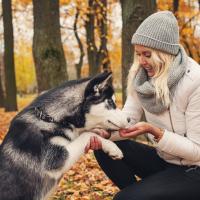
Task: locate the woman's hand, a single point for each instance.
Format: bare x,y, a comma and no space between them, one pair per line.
94,144
141,128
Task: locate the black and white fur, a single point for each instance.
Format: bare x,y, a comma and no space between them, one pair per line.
49,136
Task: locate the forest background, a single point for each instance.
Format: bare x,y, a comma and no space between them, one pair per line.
46,42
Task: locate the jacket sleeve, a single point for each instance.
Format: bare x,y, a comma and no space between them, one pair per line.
187,147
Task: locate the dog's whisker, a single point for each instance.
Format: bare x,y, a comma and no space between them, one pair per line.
114,124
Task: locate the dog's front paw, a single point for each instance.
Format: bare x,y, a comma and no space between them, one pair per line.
112,150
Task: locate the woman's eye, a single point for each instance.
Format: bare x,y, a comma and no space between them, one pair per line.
147,55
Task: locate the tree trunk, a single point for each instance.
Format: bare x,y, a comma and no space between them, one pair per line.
48,51
2,82
10,82
199,4
90,38
133,13
80,63
1,93
97,56
175,6
103,57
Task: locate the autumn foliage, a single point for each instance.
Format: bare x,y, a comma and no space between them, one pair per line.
187,14
86,181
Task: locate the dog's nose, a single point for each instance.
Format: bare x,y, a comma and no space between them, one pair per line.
128,119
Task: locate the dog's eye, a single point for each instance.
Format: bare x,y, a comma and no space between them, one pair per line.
111,104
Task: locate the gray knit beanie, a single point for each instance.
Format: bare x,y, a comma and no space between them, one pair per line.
159,31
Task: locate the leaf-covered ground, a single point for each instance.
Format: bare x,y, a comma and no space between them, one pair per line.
84,181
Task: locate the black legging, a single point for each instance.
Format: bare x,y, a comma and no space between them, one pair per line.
160,180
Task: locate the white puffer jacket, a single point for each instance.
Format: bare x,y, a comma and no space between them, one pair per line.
180,143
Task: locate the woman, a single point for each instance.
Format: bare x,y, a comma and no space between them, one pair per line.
164,84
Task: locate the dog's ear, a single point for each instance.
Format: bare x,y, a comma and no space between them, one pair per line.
98,84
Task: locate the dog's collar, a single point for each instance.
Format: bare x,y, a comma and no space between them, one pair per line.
40,113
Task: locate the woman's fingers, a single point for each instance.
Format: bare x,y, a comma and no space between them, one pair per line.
130,134
94,144
128,130
135,130
87,148
139,128
98,144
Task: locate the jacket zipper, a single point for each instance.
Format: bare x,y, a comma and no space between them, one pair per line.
170,117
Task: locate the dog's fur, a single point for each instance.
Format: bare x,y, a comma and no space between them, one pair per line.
50,135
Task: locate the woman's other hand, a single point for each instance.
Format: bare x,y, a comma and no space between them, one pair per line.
94,144
142,128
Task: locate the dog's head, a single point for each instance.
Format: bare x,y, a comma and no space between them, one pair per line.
86,104
99,105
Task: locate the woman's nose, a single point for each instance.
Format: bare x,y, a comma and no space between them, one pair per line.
142,61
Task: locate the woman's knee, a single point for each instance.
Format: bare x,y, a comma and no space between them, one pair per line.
118,196
135,193
122,195
128,147
100,154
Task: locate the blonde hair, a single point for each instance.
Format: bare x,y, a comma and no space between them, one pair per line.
160,63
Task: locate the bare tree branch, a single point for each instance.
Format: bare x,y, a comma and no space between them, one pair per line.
189,20
80,63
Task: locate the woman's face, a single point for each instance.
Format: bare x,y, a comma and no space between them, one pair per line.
144,54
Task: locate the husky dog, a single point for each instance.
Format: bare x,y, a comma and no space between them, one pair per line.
47,137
